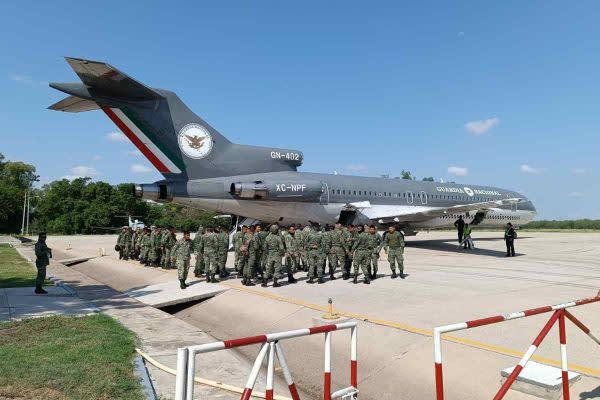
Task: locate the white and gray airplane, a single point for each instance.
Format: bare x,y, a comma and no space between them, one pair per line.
203,169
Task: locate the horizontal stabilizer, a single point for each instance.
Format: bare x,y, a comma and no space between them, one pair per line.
74,104
105,80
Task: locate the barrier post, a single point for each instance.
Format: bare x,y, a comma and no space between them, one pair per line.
563,356
439,377
254,373
286,372
180,382
353,360
327,369
191,369
270,369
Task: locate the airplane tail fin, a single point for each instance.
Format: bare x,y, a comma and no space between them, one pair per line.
174,139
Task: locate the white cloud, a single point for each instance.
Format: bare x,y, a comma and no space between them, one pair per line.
97,157
356,167
140,169
82,171
576,194
481,127
134,153
458,171
116,137
579,171
528,169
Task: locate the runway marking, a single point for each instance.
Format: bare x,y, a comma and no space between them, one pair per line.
419,331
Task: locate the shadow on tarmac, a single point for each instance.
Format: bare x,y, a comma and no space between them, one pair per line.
452,247
594,394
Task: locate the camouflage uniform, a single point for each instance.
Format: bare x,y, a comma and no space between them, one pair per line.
198,251
349,238
394,245
313,244
181,253
167,241
375,247
292,252
155,249
274,250
247,256
261,257
211,249
145,247
126,239
303,251
119,245
338,250
362,252
223,239
237,242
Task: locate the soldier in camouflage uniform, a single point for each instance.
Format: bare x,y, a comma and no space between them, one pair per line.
145,246
119,246
181,252
42,259
338,250
361,251
313,244
247,255
292,252
236,241
348,234
167,242
127,243
211,250
258,239
155,250
274,250
223,239
393,244
375,243
198,251
303,233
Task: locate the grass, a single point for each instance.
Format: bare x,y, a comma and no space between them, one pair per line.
67,358
15,271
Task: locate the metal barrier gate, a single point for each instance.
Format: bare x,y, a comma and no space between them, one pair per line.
559,315
186,362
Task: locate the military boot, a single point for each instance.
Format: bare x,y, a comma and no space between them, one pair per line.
394,276
345,276
207,278
355,280
367,281
182,284
275,283
402,276
264,282
291,278
249,282
320,280
213,279
310,280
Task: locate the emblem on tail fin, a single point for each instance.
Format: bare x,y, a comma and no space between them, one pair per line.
195,141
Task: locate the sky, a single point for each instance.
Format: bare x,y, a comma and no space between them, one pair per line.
491,93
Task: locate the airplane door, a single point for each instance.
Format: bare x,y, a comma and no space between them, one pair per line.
409,197
324,199
423,197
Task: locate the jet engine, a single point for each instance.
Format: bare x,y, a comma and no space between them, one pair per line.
284,191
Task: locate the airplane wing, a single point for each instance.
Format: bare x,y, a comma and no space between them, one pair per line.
410,213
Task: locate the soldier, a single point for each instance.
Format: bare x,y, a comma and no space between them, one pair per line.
155,248
134,248
302,232
361,254
349,235
43,254
247,255
119,245
325,248
338,250
181,253
127,243
223,249
274,250
258,239
509,237
145,246
393,244
236,241
198,251
262,235
292,254
313,244
375,246
167,242
138,244
211,249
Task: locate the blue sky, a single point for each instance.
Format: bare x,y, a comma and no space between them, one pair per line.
502,93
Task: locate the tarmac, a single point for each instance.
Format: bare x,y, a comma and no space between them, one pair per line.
445,285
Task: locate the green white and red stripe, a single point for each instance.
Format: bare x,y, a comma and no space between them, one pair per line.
147,143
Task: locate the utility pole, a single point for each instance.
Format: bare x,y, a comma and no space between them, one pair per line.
28,198
24,211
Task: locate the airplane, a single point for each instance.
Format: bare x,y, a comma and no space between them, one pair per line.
203,169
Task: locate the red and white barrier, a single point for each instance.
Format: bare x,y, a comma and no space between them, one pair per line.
271,348
559,315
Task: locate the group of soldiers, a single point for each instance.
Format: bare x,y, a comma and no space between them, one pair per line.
262,255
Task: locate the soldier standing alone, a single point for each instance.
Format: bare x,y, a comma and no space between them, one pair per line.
509,237
181,253
42,259
394,246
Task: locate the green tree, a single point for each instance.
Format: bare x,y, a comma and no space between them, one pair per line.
428,179
15,178
406,175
